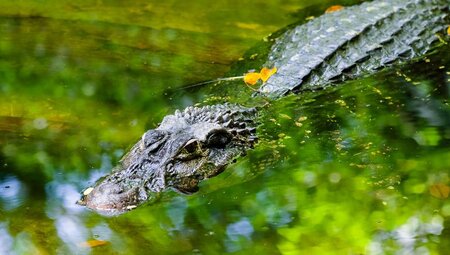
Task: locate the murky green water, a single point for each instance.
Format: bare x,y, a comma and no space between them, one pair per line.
362,168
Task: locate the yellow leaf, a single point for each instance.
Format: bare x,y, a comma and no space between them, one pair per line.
440,190
334,8
93,243
448,30
266,73
252,78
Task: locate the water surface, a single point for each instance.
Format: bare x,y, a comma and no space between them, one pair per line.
360,168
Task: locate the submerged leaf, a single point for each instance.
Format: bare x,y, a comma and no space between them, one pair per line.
266,73
440,190
334,8
252,78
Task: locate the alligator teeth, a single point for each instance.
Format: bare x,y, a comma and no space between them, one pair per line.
130,207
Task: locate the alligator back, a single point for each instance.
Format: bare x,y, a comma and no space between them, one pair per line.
356,40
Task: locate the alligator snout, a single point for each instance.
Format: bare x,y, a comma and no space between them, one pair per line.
111,199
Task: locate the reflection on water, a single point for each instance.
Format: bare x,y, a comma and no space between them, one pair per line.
238,235
60,198
71,231
12,194
7,240
357,169
410,238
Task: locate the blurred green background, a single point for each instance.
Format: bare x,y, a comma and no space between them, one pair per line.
362,168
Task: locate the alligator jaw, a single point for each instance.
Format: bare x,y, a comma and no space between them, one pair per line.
110,199
105,200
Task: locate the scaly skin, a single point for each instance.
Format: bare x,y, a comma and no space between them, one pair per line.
199,143
354,41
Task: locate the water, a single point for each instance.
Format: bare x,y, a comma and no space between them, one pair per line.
362,168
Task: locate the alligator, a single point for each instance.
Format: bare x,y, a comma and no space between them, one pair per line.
199,142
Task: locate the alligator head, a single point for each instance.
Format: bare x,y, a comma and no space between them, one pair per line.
186,148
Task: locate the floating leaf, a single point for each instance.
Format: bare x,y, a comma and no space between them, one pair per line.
440,190
334,8
266,73
93,243
252,78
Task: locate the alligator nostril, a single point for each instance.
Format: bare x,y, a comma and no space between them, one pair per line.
109,189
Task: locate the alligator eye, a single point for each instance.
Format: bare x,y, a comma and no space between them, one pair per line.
191,146
190,150
218,139
152,139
